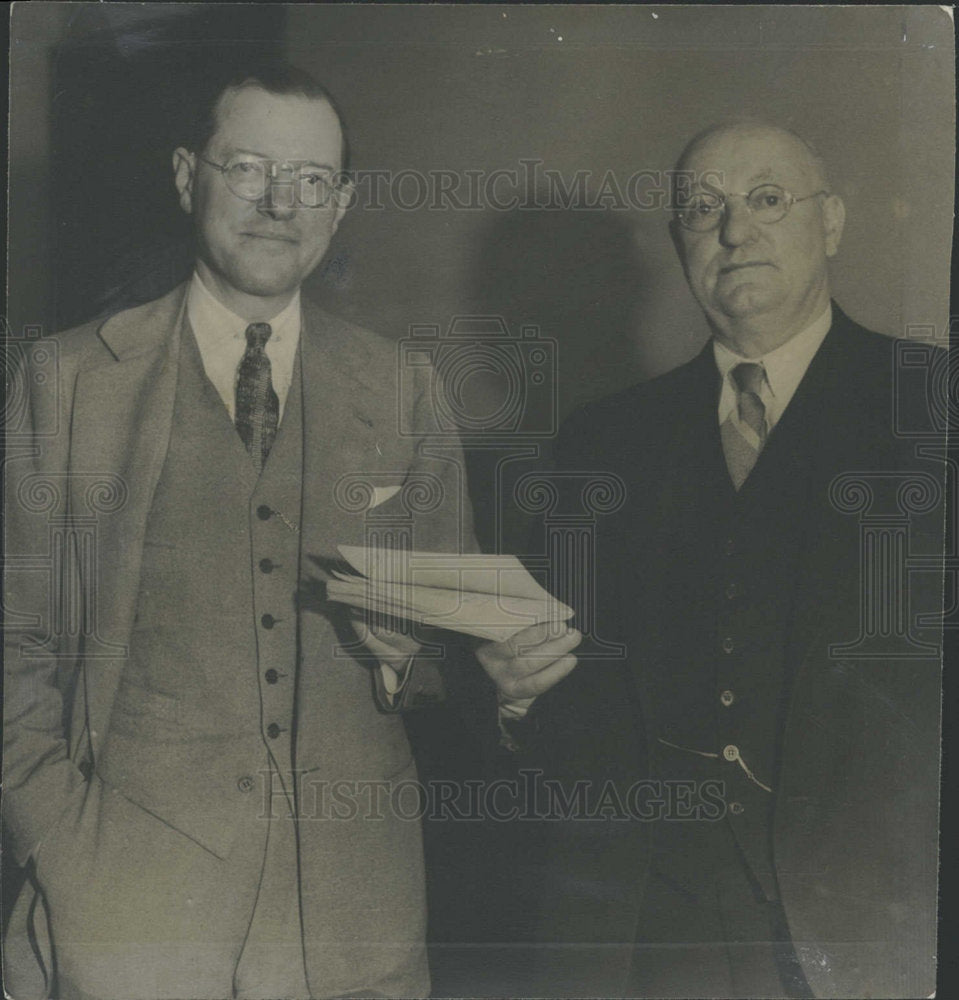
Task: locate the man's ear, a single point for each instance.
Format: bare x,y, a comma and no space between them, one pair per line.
184,166
833,220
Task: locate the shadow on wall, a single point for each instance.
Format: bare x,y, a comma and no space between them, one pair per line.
575,282
579,278
127,85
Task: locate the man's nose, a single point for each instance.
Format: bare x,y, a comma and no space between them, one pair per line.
738,225
279,199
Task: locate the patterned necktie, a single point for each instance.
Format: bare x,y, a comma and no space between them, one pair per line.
257,405
742,443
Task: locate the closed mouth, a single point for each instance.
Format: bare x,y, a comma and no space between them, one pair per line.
274,237
729,268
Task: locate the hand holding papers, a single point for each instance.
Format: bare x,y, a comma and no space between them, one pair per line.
488,596
525,666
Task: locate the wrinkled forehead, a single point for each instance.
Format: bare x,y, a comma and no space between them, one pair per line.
737,159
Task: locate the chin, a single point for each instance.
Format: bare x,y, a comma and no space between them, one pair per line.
747,301
267,285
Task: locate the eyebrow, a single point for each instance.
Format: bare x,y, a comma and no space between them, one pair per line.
273,159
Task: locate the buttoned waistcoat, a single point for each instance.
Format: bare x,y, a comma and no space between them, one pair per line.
84,458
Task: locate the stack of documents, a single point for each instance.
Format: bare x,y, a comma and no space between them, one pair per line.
488,596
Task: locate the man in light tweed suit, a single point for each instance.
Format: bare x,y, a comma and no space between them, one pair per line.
165,765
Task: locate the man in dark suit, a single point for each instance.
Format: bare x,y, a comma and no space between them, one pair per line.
762,765
180,695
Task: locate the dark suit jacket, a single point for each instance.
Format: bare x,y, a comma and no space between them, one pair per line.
857,789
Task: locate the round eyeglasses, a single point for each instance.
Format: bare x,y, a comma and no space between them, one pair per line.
251,179
767,203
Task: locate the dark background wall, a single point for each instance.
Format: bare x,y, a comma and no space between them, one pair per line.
622,89
99,94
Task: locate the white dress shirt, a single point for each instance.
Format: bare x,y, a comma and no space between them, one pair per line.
784,368
221,336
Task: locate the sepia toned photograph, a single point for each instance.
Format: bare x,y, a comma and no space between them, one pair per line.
478,509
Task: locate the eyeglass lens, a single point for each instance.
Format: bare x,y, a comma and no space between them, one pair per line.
251,179
767,203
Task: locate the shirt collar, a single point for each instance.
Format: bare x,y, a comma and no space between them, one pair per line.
784,367
207,313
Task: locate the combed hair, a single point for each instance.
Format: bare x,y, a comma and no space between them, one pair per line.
275,77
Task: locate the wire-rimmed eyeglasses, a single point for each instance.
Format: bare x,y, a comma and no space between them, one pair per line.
250,178
767,203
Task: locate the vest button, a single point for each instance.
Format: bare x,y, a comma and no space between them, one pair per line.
729,547
268,621
728,644
731,752
246,783
732,590
727,698
266,565
271,676
736,808
263,512
273,730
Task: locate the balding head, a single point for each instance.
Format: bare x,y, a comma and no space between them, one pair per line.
800,150
759,274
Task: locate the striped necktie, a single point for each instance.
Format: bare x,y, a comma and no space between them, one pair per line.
257,405
743,441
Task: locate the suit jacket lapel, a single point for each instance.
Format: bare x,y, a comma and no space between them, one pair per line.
121,419
691,491
692,467
349,429
819,441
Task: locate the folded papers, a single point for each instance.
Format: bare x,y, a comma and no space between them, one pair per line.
488,596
